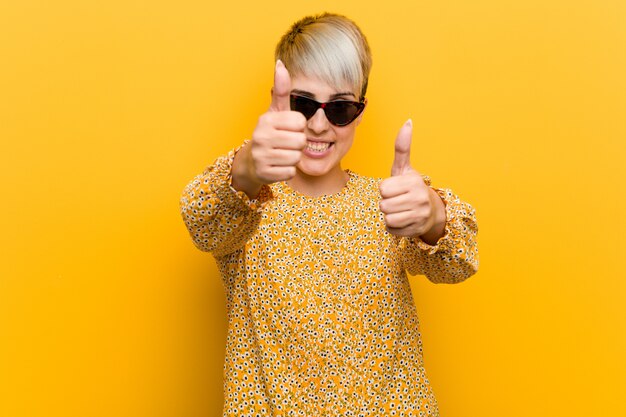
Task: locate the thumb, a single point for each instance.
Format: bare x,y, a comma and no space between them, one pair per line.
402,158
281,89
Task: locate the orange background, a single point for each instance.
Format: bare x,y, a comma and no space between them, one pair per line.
107,110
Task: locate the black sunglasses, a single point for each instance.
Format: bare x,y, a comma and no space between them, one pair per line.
338,112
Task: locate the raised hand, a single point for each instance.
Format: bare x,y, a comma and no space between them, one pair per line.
277,142
410,207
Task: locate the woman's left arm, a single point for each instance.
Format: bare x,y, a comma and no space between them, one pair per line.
436,230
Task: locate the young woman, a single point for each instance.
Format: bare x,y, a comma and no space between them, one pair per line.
313,257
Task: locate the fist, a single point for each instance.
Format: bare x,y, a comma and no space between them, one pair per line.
410,207
278,139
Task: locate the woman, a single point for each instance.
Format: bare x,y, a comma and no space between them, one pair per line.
313,257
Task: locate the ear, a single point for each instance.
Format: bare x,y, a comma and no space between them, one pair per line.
358,119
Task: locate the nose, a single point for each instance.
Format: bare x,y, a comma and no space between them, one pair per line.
318,123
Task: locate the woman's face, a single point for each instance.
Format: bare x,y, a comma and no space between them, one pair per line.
326,143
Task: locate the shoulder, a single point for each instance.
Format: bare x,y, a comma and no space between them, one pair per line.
363,181
365,187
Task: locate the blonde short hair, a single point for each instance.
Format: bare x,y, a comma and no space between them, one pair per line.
330,47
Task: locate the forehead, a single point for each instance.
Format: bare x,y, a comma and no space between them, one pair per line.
319,88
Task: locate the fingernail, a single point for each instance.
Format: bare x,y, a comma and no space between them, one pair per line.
409,123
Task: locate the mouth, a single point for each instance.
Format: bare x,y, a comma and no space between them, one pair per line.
318,147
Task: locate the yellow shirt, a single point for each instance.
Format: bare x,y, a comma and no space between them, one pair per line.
321,320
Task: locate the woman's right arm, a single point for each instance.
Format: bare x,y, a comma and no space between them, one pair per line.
222,206
219,218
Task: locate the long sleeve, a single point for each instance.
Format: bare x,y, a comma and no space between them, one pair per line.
454,257
219,219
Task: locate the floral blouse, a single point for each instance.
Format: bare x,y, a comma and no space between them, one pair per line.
321,319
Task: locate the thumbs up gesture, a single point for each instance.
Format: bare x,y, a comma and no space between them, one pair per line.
410,207
277,142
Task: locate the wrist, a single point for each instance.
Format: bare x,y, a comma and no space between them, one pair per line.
241,180
438,228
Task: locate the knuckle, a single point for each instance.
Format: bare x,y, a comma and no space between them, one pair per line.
418,196
300,140
256,153
264,119
423,201
299,120
259,138
414,175
264,172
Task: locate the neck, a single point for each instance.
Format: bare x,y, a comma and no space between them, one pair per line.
316,186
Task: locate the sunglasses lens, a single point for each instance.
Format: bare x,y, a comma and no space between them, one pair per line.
341,113
304,105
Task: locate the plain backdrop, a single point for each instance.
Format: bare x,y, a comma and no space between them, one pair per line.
108,109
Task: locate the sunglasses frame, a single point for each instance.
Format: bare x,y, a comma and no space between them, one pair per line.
360,106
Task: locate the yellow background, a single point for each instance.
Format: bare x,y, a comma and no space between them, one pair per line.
107,110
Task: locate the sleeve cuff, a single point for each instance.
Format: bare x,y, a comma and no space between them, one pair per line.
257,203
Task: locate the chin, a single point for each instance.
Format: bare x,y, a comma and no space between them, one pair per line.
314,169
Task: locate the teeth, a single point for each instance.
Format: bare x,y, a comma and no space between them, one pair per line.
318,146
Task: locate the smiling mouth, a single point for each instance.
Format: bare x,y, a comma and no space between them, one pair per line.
318,147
